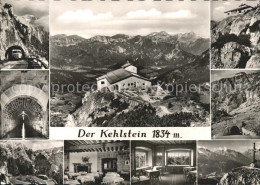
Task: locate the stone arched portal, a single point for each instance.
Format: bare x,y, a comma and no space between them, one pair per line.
24,110
9,53
234,130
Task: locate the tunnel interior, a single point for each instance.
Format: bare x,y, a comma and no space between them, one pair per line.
15,53
235,131
24,118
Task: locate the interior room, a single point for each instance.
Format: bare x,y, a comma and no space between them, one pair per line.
163,162
97,162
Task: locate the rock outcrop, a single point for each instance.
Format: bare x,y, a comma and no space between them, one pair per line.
21,160
22,31
236,41
242,176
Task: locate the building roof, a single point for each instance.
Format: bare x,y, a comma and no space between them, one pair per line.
241,7
126,65
119,75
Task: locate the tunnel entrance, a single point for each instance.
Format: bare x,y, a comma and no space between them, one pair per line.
235,131
23,117
15,53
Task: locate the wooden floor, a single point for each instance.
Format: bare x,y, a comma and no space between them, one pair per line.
169,179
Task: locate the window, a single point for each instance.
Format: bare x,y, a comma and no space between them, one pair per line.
179,157
141,159
102,82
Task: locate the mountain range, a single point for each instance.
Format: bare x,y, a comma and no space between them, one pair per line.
221,160
227,167
155,49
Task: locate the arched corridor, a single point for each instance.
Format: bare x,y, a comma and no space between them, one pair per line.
23,117
24,112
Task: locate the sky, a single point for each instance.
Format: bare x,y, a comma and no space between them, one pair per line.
91,18
220,74
237,145
40,9
219,7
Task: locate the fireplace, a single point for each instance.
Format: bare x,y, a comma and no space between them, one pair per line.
82,167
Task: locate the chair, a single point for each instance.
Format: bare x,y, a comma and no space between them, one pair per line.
155,177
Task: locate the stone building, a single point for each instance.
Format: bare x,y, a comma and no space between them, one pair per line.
240,10
123,79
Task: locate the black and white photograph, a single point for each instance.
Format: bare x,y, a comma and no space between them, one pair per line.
24,34
138,64
24,104
31,162
235,104
228,162
235,34
97,162
163,162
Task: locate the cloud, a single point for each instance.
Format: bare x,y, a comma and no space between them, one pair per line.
38,9
181,14
142,13
220,148
156,14
226,3
43,21
84,16
220,8
135,18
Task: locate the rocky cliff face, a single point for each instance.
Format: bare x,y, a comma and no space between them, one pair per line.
236,41
20,160
242,175
242,90
235,104
23,31
154,49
